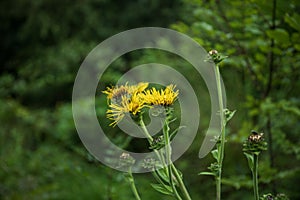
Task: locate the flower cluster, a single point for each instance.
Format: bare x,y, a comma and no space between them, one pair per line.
131,99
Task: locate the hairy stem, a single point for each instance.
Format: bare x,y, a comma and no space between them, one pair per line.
254,176
150,140
132,185
218,188
168,158
160,157
181,184
145,131
222,138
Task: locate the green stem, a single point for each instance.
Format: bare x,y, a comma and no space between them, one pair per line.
222,139
150,140
168,158
132,185
170,169
218,187
145,131
255,175
181,184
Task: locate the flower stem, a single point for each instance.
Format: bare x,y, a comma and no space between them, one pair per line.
171,166
150,140
218,188
255,175
145,131
132,185
222,138
168,158
181,184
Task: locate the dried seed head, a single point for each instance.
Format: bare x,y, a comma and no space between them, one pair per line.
255,137
149,163
213,52
124,156
215,56
126,160
255,143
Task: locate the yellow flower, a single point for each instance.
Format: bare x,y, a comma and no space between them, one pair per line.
124,99
115,94
162,97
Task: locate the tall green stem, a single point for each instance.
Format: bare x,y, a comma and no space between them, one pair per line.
168,158
132,185
181,184
254,176
222,138
218,188
171,166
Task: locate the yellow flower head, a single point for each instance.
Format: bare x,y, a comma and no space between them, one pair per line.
124,99
116,94
162,97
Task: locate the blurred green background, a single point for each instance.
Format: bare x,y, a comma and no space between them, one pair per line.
44,42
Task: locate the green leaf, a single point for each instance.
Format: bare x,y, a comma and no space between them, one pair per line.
293,21
238,182
290,108
279,35
164,189
250,160
215,154
297,47
162,174
203,26
229,114
207,173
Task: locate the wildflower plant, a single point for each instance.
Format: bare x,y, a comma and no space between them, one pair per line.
135,100
215,169
252,147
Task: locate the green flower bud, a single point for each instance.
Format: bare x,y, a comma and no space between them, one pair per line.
215,56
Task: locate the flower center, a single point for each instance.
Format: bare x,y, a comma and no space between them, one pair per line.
119,94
